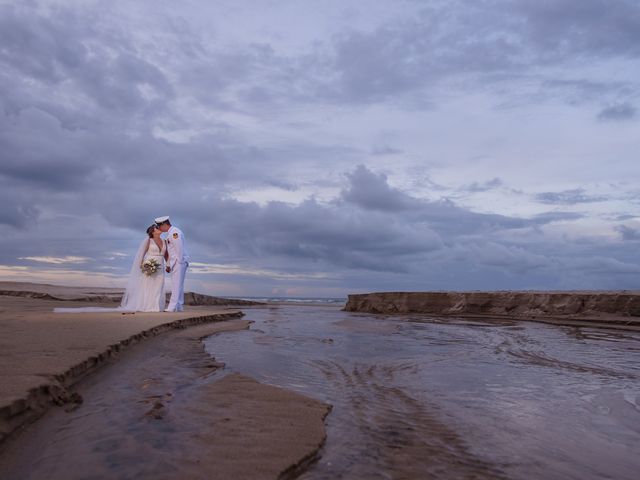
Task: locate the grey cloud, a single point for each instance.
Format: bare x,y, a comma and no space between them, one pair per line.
47,157
37,46
490,39
374,66
328,236
305,234
549,217
17,209
335,235
513,258
283,184
535,262
576,91
619,112
579,88
371,191
484,186
409,56
628,233
218,78
385,150
604,265
38,149
568,197
62,49
454,248
119,83
589,27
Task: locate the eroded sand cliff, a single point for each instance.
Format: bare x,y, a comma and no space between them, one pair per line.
612,308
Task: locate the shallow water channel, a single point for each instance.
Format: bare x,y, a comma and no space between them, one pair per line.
418,397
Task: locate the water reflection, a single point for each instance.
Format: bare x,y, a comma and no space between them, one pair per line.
416,397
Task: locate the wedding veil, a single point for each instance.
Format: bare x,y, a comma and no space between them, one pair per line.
132,297
133,293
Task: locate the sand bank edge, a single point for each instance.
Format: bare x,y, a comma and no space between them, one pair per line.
54,390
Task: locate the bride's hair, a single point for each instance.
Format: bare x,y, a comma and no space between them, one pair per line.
151,229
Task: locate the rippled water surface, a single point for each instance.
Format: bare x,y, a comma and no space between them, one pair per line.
415,397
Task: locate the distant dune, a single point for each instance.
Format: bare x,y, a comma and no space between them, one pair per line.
98,294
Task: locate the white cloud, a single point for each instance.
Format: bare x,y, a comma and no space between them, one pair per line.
57,260
76,278
220,269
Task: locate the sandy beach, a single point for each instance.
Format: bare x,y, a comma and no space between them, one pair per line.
318,391
46,355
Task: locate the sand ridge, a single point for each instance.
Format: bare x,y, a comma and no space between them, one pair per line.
43,353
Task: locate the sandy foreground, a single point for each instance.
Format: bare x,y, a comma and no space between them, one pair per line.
43,354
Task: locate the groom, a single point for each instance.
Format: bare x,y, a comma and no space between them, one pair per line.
177,263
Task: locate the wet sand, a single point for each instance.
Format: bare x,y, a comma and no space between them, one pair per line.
165,410
43,353
420,397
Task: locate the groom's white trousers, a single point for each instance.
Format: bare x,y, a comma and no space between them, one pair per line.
177,287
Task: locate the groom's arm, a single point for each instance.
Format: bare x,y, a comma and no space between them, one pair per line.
166,257
178,246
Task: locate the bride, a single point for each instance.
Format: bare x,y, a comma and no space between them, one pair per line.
145,289
145,292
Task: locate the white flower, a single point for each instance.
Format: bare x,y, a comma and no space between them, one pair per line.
150,266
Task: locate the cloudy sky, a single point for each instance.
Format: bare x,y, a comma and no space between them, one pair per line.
317,148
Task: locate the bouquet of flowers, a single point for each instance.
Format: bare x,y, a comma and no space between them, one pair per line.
150,266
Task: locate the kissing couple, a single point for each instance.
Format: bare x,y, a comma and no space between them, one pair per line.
145,290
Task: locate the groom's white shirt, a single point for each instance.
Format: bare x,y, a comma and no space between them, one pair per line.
176,247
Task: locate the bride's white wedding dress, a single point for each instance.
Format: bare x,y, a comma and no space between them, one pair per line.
144,293
148,295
